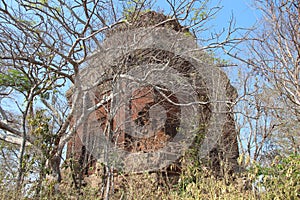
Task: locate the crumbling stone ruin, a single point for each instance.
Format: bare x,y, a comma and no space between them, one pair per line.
207,89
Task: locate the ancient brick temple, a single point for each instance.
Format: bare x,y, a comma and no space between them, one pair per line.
146,97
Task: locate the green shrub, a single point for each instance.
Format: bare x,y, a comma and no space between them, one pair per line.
281,180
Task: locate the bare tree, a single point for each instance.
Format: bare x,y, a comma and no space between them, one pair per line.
271,87
44,46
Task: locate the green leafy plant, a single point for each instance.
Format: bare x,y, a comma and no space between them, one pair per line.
281,179
15,79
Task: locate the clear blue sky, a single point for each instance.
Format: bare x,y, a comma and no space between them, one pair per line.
245,16
242,10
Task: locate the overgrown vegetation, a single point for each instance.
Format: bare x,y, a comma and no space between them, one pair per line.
43,48
280,180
